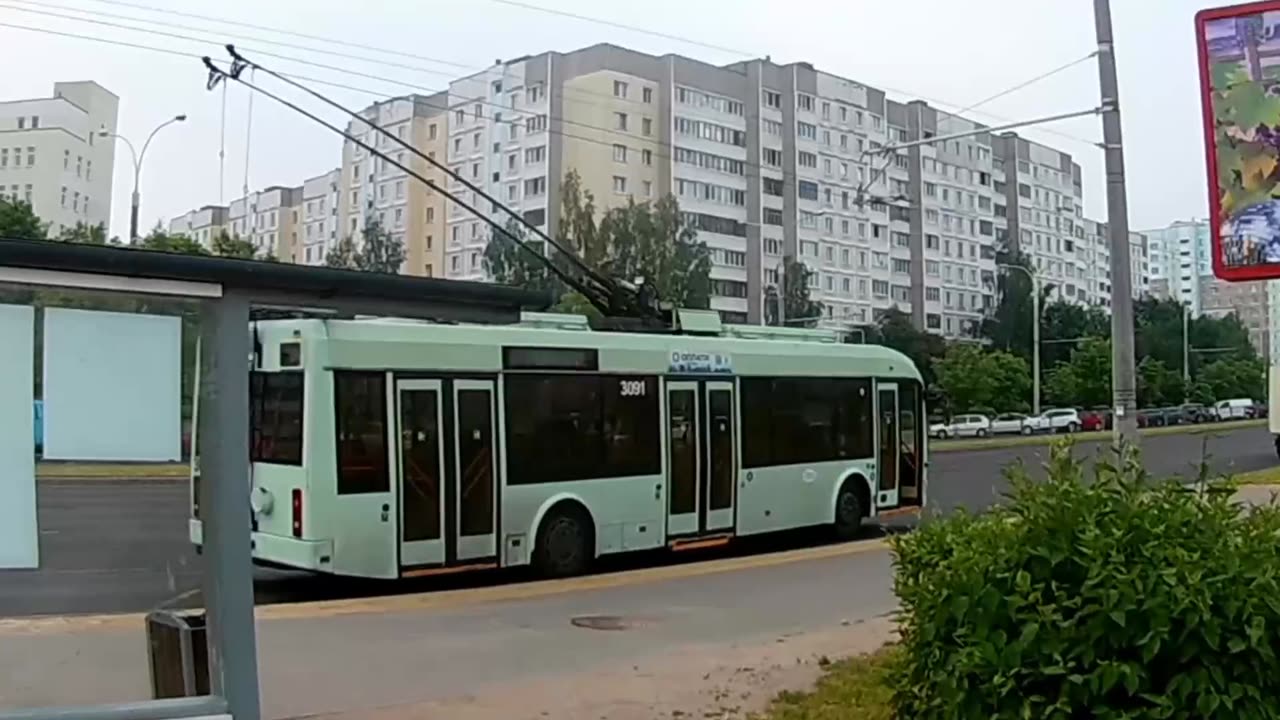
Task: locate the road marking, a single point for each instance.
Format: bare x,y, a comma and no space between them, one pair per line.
447,599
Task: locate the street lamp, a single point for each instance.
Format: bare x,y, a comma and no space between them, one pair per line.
1035,334
137,168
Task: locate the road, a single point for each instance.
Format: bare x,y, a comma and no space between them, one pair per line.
111,546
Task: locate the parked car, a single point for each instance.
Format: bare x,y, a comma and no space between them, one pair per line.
1234,409
1260,410
962,426
1015,423
1195,413
1063,420
1150,417
1095,419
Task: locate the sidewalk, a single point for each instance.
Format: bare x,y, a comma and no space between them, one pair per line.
693,644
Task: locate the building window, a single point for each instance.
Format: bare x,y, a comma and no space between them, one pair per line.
773,99
620,153
647,95
619,89
619,121
646,157
360,420
31,157
535,186
646,126
619,184
62,202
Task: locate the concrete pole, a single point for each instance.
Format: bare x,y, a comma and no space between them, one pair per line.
1035,345
1123,382
1186,346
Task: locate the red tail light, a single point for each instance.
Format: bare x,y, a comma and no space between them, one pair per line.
297,513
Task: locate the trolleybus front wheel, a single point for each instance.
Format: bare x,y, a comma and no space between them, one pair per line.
564,542
849,511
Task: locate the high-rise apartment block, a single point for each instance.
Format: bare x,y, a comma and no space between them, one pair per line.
54,155
878,198
372,188
1179,259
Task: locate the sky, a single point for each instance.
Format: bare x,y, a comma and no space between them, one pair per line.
953,54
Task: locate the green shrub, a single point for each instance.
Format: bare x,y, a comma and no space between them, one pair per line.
1116,598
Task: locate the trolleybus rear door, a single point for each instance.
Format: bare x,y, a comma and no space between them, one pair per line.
420,470
888,442
721,475
684,459
475,496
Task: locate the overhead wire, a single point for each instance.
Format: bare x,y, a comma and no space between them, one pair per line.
565,91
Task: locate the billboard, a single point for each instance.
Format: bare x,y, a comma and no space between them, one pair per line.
1239,49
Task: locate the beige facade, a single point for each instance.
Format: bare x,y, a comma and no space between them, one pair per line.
371,187
318,226
626,161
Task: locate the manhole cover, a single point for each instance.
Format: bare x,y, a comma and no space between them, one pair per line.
603,622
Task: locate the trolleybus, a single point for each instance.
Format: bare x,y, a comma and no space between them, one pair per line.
389,448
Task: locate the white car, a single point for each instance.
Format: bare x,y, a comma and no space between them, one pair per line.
1062,420
1237,409
962,426
1017,423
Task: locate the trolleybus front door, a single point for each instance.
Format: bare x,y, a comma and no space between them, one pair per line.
888,442
702,457
475,491
420,465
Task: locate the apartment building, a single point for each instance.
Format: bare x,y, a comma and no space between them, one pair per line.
371,187
1180,257
54,154
1248,301
202,225
319,218
1093,246
269,219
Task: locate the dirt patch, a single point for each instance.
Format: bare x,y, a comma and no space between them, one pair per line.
700,682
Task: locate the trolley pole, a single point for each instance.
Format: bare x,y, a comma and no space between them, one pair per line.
1123,384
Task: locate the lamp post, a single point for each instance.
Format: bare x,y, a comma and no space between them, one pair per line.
137,169
1035,335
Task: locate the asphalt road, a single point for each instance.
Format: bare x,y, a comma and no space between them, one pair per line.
122,547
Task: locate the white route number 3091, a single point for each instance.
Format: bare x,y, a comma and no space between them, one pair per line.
632,388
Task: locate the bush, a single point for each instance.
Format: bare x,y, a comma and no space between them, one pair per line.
1116,598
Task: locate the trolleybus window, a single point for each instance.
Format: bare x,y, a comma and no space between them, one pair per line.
360,402
577,427
791,421
275,417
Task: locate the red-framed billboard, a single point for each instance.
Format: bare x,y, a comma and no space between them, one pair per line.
1239,49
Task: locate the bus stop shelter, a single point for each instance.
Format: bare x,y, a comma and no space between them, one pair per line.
227,290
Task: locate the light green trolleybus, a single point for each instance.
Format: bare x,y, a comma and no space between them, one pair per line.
395,448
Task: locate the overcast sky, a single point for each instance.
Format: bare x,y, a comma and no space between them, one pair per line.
951,53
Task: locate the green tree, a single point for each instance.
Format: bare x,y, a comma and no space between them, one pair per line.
1236,378
893,328
381,251
19,221
1158,385
971,377
800,307
233,246
1011,376
162,241
638,241
1009,327
1063,321
1084,381
84,234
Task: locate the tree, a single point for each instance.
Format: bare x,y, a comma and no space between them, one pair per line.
649,241
380,251
1085,381
342,255
84,234
1158,385
971,377
233,246
161,241
894,329
1009,327
18,220
1236,378
1064,321
796,277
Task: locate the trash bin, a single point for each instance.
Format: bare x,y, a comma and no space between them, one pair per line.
178,654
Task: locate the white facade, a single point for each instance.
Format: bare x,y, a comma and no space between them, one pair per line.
320,217
1180,257
202,225
53,157
496,121
268,219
